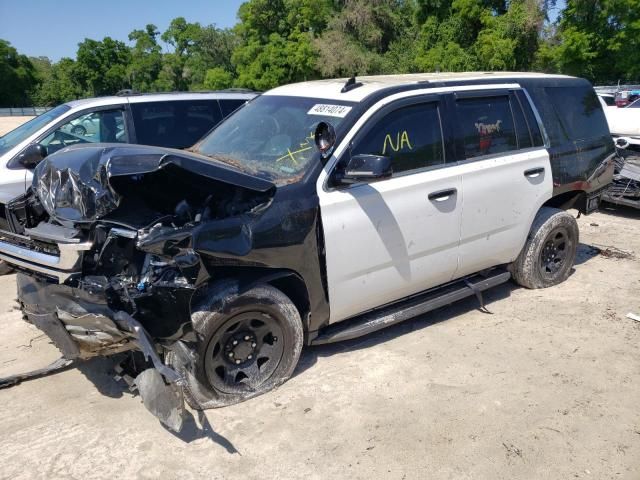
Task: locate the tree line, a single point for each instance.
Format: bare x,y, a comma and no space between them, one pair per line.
282,41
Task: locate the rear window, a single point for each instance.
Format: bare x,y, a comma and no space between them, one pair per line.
578,111
178,124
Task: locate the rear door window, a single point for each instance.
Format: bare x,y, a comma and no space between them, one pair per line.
486,125
178,124
411,136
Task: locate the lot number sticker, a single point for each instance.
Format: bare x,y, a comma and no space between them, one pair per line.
329,110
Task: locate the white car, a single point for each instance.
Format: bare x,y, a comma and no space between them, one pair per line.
623,122
174,120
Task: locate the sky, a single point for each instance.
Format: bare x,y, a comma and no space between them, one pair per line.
53,28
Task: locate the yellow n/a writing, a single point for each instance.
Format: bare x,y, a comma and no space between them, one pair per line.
402,140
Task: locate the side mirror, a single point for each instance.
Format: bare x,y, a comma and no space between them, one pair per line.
367,168
325,138
32,156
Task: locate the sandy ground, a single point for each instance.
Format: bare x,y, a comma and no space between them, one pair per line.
545,387
9,123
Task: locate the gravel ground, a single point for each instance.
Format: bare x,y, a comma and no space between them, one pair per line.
545,387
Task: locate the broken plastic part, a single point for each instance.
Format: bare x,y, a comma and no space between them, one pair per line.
164,401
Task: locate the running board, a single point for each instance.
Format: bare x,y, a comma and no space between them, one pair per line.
414,306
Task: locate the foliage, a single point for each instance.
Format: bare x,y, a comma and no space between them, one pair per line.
282,41
18,76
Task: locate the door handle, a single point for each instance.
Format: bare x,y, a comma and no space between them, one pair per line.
534,172
442,195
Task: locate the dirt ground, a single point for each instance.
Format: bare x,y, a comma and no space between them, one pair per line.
9,123
547,386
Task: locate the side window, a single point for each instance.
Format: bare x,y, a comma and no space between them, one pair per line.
411,136
532,122
229,106
177,124
486,125
104,126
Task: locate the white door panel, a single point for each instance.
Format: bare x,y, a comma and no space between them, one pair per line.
499,205
387,240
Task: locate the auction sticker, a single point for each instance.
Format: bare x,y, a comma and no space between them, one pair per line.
329,110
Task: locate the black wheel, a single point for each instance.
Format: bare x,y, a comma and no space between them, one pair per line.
549,252
248,344
79,130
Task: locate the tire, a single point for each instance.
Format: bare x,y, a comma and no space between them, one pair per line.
267,330
79,130
549,253
5,268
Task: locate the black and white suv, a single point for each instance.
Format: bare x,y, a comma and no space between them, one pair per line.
317,212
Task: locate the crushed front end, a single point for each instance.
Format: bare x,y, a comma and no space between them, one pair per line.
103,246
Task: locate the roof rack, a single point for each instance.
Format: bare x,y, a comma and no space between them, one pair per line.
127,92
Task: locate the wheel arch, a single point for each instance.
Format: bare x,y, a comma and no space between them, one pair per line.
572,199
243,279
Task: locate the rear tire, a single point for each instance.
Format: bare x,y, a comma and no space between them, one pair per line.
5,268
248,344
549,252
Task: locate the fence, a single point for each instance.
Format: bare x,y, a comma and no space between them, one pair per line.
23,111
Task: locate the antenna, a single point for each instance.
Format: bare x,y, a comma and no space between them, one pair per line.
350,85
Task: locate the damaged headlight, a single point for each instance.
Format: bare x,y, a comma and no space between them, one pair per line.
73,185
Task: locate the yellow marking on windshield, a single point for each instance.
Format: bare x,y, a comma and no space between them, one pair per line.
291,155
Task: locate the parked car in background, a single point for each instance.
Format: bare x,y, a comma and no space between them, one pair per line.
625,97
608,99
624,122
173,120
319,212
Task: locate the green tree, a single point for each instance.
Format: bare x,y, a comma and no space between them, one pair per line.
217,79
366,37
146,59
598,39
182,36
18,77
61,85
277,41
101,66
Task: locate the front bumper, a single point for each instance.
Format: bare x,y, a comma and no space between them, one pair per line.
58,263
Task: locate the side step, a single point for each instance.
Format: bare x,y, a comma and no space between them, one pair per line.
410,308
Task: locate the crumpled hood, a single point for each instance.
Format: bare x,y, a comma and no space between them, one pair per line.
73,184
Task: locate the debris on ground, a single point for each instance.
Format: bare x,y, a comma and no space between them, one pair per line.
633,316
609,251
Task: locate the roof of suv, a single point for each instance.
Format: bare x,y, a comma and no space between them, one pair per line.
161,97
331,89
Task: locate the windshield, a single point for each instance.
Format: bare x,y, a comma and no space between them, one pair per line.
272,136
24,131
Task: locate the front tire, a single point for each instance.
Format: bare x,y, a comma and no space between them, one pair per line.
549,252
248,344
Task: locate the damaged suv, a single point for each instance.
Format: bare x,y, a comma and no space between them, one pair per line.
318,212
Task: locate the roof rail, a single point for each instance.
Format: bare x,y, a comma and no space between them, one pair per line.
126,92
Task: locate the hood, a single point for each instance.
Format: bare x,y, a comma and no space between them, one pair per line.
74,183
